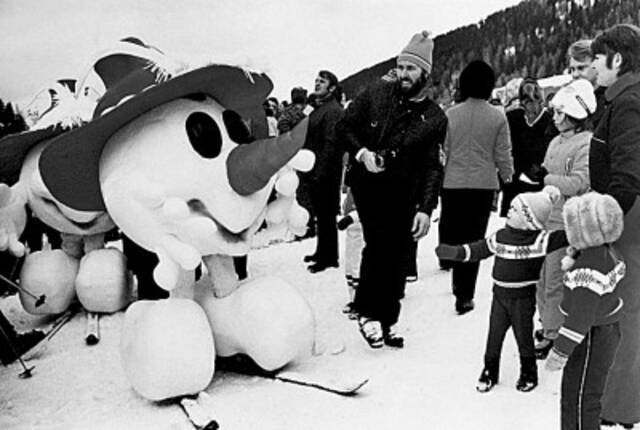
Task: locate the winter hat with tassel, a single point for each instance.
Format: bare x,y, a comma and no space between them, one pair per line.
419,51
535,208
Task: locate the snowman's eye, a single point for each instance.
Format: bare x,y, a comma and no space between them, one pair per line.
204,134
237,128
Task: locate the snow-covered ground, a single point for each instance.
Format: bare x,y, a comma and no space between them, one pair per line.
430,384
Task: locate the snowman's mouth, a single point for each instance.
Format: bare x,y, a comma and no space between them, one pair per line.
199,208
53,207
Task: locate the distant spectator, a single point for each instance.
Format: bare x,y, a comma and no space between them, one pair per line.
272,122
294,113
477,144
580,66
274,105
532,129
323,181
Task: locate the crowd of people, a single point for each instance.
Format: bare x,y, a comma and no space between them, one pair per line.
406,153
395,154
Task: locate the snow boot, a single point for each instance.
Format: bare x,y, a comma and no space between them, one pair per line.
350,311
392,338
488,379
528,379
464,306
371,331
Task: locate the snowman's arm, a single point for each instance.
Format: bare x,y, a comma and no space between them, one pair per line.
13,218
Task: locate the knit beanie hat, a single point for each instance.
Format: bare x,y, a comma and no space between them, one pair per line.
419,51
535,208
576,99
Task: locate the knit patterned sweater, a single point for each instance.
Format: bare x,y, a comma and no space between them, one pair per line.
590,296
519,254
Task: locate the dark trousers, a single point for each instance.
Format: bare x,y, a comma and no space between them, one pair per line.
584,377
325,204
412,257
511,308
463,219
386,214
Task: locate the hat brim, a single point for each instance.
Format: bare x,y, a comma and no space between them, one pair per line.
70,164
14,149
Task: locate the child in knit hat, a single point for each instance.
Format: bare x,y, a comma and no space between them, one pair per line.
519,248
589,336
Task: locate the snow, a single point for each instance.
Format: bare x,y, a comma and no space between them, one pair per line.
430,384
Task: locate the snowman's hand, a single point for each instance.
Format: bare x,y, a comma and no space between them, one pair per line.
13,218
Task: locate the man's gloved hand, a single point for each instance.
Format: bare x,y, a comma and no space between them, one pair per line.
537,173
450,252
345,222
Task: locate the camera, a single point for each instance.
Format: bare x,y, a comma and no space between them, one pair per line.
384,157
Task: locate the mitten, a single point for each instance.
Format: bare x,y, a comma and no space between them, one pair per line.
345,222
450,252
537,173
555,361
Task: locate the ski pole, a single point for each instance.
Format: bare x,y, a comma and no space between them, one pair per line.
39,300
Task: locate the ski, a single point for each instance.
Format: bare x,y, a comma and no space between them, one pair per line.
326,375
331,384
92,334
197,415
55,327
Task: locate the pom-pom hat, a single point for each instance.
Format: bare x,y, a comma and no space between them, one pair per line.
576,99
535,208
419,51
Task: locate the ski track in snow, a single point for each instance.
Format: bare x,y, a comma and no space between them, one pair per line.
430,384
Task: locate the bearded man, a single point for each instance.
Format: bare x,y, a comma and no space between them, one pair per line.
393,133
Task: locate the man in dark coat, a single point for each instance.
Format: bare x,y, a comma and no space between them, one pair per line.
614,162
393,133
323,181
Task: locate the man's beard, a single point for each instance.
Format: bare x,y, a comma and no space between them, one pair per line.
414,89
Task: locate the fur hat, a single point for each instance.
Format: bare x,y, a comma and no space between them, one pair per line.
576,99
419,51
592,219
535,208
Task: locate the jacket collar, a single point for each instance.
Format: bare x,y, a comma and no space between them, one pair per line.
623,82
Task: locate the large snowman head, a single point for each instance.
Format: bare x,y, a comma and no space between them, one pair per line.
175,162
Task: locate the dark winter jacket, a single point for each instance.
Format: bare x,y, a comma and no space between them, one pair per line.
590,297
615,148
326,174
321,140
600,106
409,133
529,142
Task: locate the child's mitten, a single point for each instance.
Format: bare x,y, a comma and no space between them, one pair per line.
450,252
